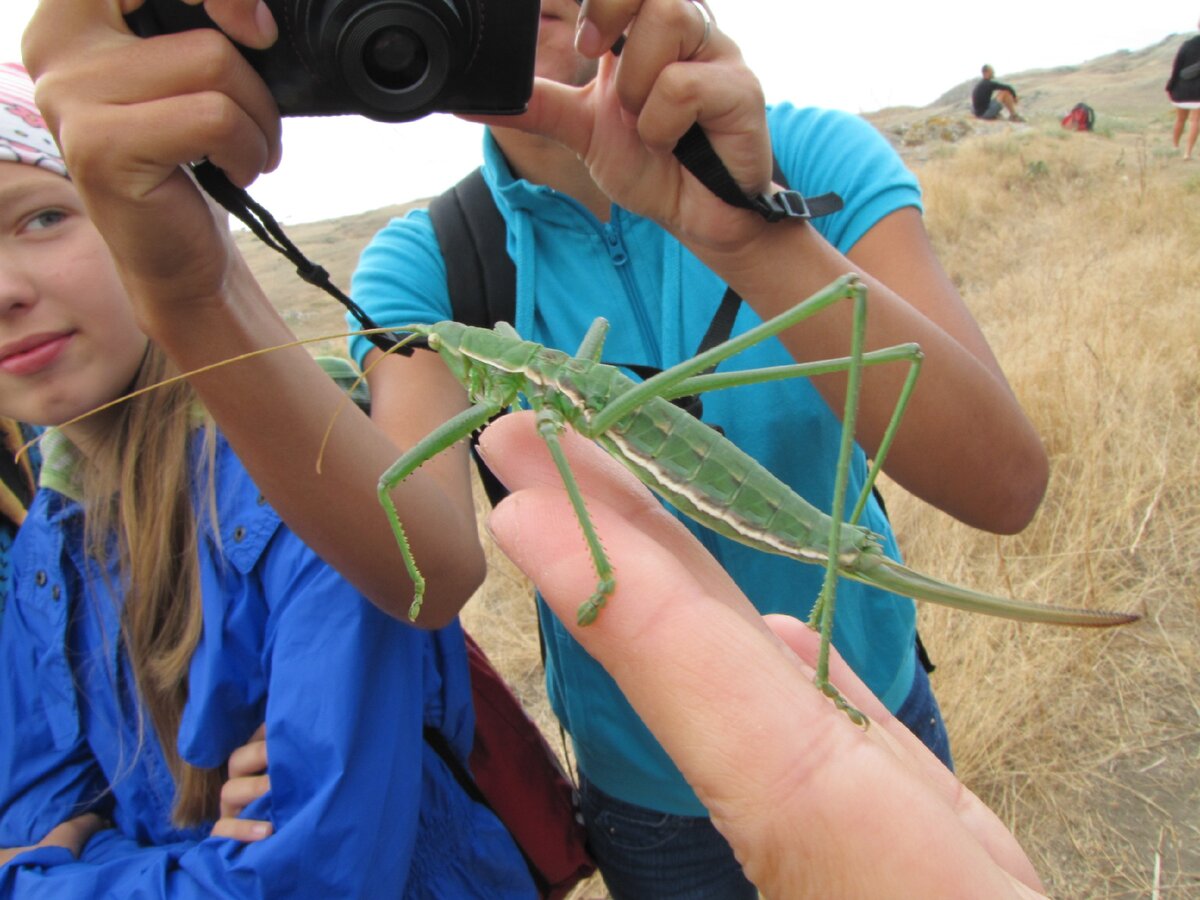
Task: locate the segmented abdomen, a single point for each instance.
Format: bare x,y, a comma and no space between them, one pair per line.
701,472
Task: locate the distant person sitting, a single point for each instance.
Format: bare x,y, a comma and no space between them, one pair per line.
1183,89
990,97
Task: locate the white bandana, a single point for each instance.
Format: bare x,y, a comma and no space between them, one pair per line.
23,134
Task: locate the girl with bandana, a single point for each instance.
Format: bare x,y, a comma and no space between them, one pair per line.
160,611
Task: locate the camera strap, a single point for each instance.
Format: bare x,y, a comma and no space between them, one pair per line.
696,154
264,226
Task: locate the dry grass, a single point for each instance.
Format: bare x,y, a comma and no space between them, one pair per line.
1080,256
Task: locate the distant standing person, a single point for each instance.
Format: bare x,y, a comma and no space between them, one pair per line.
1184,90
990,96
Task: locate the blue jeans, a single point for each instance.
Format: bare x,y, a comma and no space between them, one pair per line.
645,854
921,715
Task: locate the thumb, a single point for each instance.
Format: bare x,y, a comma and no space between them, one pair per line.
249,22
556,111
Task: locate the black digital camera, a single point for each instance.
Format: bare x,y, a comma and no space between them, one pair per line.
390,60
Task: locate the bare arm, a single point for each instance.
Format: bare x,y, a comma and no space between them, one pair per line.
409,398
965,446
72,835
128,113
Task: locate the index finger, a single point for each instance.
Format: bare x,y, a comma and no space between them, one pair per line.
251,757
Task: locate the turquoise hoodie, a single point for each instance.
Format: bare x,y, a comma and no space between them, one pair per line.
660,300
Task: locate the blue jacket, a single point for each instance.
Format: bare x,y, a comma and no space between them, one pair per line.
361,805
660,300
13,496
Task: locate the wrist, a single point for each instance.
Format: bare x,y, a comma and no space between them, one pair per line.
761,257
202,327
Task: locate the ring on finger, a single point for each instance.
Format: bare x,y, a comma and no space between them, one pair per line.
706,14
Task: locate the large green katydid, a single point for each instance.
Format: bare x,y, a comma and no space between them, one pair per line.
638,425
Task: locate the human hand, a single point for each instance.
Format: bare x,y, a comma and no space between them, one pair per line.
812,804
72,835
625,122
246,783
128,112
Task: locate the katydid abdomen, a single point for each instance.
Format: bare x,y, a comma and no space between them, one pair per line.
711,480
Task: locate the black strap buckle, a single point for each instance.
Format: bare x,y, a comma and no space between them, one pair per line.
793,205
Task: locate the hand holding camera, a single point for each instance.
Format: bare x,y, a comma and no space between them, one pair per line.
677,76
391,60
129,114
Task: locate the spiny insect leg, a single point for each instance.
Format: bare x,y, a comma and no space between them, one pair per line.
549,425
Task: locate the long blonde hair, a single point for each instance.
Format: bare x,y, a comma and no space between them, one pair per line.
137,486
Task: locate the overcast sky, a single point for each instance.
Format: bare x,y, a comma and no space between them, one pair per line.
857,56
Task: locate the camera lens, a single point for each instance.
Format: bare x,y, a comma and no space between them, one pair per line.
395,58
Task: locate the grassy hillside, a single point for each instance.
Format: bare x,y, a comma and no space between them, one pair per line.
1080,256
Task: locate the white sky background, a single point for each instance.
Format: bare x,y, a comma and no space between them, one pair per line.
858,56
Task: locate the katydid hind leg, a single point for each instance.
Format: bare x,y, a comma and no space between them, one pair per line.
549,424
665,381
823,610
441,438
717,381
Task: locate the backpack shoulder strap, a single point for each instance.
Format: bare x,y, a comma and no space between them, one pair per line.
472,235
480,275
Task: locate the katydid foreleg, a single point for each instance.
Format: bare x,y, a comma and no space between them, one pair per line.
549,425
822,613
441,438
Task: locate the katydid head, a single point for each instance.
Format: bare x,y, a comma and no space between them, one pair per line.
446,339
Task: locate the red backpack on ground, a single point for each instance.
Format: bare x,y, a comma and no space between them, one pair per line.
1081,118
514,772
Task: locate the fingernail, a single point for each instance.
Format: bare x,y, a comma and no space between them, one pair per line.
587,39
503,524
274,157
260,829
265,22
